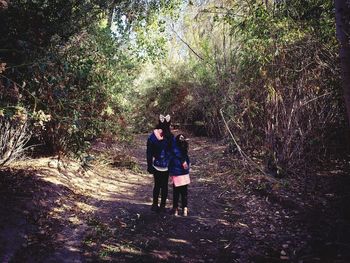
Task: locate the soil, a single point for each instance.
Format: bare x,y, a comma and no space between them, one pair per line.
54,212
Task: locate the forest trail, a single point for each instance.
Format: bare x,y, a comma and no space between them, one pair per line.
269,76
103,214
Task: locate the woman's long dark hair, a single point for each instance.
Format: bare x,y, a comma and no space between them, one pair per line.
167,134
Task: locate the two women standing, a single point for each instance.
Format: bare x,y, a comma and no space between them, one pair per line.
166,154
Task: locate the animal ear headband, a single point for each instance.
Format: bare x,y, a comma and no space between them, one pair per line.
163,118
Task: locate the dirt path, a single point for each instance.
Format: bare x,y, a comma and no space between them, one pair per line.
103,214
140,235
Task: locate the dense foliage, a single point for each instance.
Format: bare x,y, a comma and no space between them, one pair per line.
65,74
70,70
270,69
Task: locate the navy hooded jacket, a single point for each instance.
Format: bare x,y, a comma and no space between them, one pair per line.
176,161
159,150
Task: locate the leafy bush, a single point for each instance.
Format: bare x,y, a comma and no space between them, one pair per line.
81,88
287,84
61,58
189,93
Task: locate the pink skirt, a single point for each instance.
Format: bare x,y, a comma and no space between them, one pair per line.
180,180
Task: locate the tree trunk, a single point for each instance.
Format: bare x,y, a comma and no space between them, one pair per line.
342,15
110,14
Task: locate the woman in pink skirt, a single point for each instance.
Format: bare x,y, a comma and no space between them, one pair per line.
179,168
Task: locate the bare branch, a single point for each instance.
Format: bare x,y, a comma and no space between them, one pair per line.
188,45
14,137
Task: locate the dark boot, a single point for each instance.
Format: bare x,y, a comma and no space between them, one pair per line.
162,208
155,208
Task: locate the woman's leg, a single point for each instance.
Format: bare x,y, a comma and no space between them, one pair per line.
176,196
156,188
184,196
164,188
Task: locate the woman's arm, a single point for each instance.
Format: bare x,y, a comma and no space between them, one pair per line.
149,153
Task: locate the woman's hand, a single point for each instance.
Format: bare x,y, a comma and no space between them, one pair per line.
150,170
185,165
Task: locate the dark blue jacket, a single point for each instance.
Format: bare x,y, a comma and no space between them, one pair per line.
176,161
159,149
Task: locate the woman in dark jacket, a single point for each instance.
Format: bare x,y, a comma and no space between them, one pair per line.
158,152
179,169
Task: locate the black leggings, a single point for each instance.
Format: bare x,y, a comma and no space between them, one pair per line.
160,186
180,190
